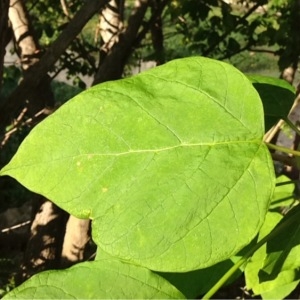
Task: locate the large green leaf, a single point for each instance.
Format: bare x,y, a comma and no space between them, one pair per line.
103,279
169,165
277,96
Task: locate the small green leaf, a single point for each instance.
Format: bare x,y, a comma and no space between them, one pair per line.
280,275
284,193
280,291
277,96
170,164
283,251
103,279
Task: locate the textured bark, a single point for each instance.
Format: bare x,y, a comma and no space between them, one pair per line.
113,65
110,24
29,53
76,238
43,250
288,73
4,5
27,46
38,73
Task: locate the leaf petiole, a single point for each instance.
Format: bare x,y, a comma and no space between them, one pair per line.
292,125
286,182
283,149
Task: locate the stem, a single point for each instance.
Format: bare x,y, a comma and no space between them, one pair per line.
286,182
278,229
224,278
283,149
292,125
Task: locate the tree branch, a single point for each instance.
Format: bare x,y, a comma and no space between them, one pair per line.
37,73
263,50
4,5
113,65
147,25
157,33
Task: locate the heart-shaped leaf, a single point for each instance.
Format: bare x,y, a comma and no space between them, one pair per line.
283,193
170,164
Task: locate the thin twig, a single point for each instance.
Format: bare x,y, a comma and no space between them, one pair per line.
65,8
15,226
273,131
19,125
263,51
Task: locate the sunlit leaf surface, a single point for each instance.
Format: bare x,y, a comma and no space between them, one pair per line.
169,165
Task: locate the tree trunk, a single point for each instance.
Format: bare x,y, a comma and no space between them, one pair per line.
110,25
43,250
37,73
76,238
157,33
288,73
4,5
113,65
29,52
27,47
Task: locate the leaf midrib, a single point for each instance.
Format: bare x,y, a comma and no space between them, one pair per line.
141,151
